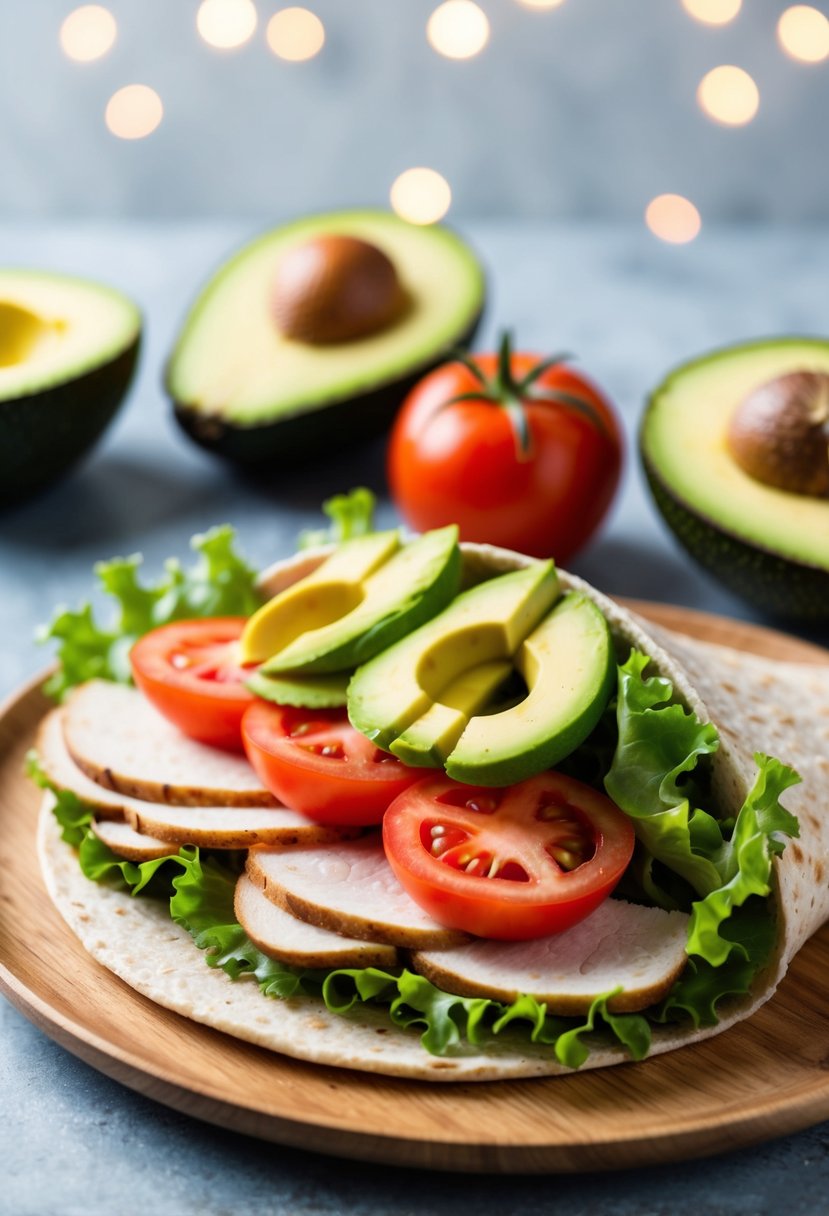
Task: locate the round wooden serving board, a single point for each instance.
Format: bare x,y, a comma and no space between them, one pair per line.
763,1078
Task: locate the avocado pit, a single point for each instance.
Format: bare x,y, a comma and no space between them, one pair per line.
336,288
779,434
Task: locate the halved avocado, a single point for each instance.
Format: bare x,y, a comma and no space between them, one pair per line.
767,545
244,389
68,348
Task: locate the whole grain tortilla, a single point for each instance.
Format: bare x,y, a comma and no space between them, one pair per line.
756,704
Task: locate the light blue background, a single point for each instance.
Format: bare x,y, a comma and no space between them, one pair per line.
583,111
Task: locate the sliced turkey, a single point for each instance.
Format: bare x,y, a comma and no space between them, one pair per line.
620,945
347,888
281,936
121,742
125,842
215,827
231,827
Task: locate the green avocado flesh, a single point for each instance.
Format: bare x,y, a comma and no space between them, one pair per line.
67,352
232,365
568,666
424,690
54,329
684,447
393,597
307,692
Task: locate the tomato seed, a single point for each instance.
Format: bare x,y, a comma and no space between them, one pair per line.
566,859
331,751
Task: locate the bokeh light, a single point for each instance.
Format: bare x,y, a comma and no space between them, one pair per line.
713,12
134,111
803,33
226,24
673,218
421,196
88,33
295,34
541,3
458,29
729,95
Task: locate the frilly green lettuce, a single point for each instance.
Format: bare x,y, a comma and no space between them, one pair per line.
218,583
725,863
351,515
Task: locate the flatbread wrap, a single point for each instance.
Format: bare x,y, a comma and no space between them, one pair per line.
757,707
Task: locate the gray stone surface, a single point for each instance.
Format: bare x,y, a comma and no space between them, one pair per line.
74,1142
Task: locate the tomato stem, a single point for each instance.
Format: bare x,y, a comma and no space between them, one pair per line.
513,395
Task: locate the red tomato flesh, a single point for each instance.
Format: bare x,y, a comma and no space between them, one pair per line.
315,762
190,672
513,864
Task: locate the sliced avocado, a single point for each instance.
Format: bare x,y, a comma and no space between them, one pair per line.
768,545
244,389
308,692
568,666
68,349
392,598
483,625
334,589
432,736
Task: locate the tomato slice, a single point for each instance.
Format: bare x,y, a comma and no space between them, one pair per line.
515,863
190,672
314,761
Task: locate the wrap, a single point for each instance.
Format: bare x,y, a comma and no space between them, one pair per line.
757,705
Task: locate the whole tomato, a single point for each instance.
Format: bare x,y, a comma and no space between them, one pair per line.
515,449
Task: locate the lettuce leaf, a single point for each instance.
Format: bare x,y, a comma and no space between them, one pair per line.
651,779
73,816
351,515
699,990
744,861
218,583
448,1020
659,745
727,864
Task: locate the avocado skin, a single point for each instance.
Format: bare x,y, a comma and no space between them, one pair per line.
779,585
315,432
44,433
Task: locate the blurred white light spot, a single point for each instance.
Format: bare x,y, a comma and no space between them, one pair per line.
458,29
88,33
729,95
134,111
803,33
226,24
673,218
541,3
713,12
295,34
421,196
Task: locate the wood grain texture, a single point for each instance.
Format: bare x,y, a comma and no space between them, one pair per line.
763,1078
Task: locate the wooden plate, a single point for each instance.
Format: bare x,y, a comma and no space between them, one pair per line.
763,1078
